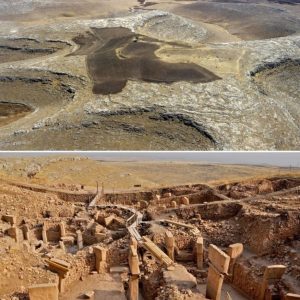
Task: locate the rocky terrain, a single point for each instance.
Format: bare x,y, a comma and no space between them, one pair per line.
248,99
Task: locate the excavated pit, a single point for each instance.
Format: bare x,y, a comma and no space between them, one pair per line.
10,112
116,55
141,130
27,48
279,78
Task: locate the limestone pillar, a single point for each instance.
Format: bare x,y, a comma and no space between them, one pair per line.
60,267
173,204
62,227
185,201
234,251
273,272
170,244
100,253
14,233
79,239
134,273
26,233
133,242
218,266
62,246
44,235
133,287
214,283
46,291
199,252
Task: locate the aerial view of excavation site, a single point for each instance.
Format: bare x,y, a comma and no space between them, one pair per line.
136,228
149,75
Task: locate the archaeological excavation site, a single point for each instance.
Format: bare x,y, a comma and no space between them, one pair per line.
239,240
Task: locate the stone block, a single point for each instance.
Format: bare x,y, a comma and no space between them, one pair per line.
218,258
214,283
235,250
48,291
133,287
199,252
173,204
274,271
185,201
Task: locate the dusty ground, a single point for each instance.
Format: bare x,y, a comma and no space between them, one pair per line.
54,170
262,214
50,52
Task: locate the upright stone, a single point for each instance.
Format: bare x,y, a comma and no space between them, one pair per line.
14,233
234,251
100,253
62,228
62,246
134,273
170,244
143,204
199,252
44,235
133,287
60,267
133,261
48,291
273,272
214,283
219,264
26,233
173,204
218,258
185,201
133,242
79,239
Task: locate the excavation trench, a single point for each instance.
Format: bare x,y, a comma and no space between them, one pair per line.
27,48
10,112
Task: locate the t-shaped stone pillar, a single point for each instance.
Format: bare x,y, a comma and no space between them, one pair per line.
199,252
44,234
133,242
60,267
185,201
62,227
100,253
134,273
79,239
234,251
26,232
274,272
173,204
170,244
14,233
218,266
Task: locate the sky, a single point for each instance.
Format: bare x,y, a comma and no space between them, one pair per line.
283,159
